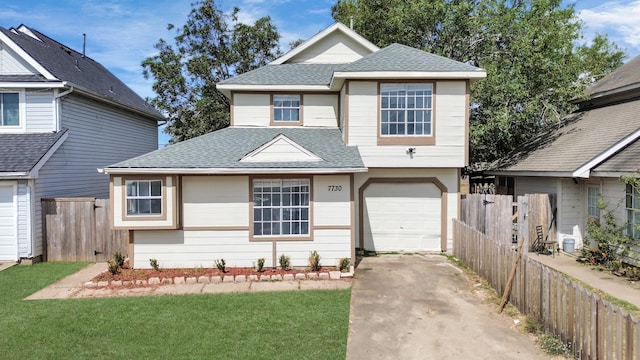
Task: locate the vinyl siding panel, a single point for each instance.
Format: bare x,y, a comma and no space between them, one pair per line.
320,110
9,216
215,201
331,245
330,206
334,49
99,135
24,219
40,110
571,211
280,150
536,185
189,249
449,124
251,109
12,64
614,195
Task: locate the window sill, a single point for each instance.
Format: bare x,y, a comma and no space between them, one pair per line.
407,140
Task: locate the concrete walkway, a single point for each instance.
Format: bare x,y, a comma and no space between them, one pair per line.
6,265
603,280
423,307
72,286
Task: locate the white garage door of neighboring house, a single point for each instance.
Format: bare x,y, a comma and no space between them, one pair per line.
402,217
8,237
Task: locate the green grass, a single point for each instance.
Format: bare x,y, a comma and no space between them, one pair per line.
282,325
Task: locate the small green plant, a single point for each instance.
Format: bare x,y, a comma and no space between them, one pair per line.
221,265
260,266
285,262
552,345
118,258
314,261
532,324
154,264
344,264
113,267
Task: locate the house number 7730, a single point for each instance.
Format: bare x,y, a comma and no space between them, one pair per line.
335,187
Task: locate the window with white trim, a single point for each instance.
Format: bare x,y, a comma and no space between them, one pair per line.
144,197
406,109
633,212
593,193
286,108
281,207
9,109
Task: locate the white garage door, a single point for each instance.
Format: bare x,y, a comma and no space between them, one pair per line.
402,217
8,237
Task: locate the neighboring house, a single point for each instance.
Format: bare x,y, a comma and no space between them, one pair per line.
334,146
584,156
62,116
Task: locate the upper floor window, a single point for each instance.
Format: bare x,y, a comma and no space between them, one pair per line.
9,109
286,108
406,110
144,197
633,212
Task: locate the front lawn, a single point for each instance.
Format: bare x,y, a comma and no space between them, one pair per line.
277,325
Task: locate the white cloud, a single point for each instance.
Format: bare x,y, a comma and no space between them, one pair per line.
617,19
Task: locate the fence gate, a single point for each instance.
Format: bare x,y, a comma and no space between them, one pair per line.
78,229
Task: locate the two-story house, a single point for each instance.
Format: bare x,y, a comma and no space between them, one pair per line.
62,116
334,146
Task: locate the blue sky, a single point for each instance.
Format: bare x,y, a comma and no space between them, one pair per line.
121,33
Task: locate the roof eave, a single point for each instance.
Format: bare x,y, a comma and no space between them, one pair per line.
340,76
33,85
530,173
584,170
226,89
15,175
226,171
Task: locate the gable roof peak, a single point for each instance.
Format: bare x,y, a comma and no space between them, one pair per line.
335,27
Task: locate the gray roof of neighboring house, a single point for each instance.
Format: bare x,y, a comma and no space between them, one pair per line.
224,149
394,57
397,57
287,74
576,140
626,160
21,152
69,65
625,75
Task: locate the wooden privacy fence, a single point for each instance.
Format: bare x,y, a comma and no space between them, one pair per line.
498,217
78,229
595,328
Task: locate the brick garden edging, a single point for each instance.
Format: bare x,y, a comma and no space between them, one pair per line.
156,281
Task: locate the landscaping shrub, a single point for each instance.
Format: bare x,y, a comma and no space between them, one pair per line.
344,264
260,266
113,267
221,265
118,258
314,261
154,264
285,262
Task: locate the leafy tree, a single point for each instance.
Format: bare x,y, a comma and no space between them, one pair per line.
210,47
526,47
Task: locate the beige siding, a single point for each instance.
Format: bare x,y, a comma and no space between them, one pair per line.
251,109
536,185
449,178
40,110
334,49
190,249
343,106
280,150
331,200
320,110
450,119
614,195
571,211
331,245
215,201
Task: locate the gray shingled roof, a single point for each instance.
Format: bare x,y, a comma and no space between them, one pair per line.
69,65
397,57
287,74
579,138
224,149
625,75
627,160
21,152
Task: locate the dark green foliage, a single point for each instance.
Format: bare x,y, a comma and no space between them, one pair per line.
113,266
285,262
221,265
260,266
527,48
154,264
118,258
344,264
210,47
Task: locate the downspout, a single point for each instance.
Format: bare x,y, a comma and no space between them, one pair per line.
58,106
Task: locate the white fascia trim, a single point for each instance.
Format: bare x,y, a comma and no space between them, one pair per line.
238,87
321,35
410,74
584,170
33,174
14,175
565,174
246,171
32,85
23,54
611,174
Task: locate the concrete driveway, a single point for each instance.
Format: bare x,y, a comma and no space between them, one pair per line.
423,307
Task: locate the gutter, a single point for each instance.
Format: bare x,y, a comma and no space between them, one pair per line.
238,171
